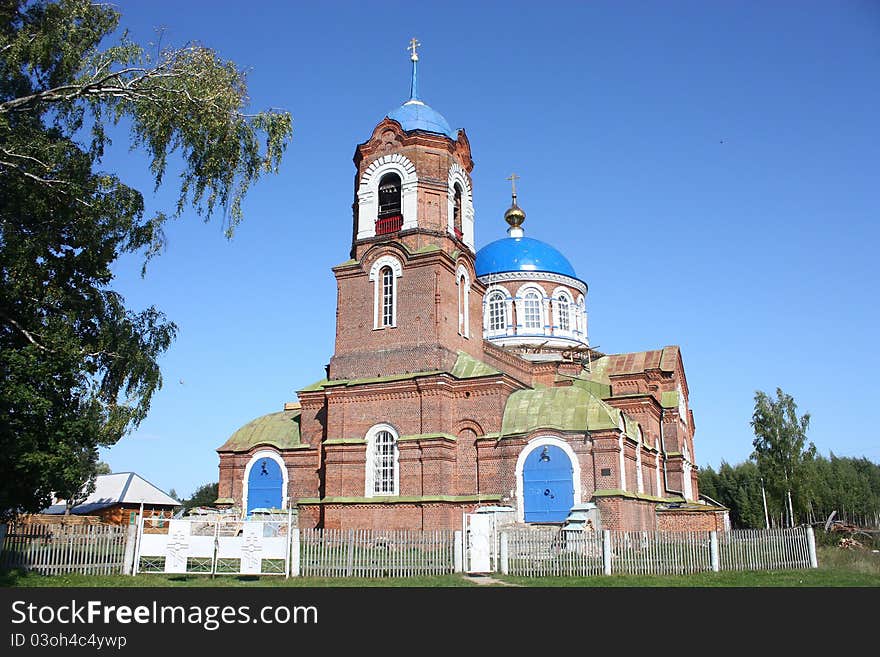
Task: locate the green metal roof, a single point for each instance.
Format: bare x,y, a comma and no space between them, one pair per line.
669,399
468,367
280,430
571,408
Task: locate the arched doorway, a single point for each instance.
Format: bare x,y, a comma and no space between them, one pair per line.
548,482
265,485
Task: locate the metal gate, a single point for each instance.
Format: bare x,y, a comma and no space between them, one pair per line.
548,485
479,542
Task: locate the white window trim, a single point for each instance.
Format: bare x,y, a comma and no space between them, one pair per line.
463,282
659,491
275,456
622,457
687,484
376,279
459,175
580,324
532,445
369,480
544,328
508,302
560,294
640,481
368,193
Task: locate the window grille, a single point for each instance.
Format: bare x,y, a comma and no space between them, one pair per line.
387,297
384,463
497,314
532,311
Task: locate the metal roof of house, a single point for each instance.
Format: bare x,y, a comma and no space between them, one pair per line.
117,488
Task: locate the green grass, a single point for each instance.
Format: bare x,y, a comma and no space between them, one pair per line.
836,568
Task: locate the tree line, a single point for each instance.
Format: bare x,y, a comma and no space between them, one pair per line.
785,482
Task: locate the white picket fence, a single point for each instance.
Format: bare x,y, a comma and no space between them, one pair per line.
549,552
275,547
376,553
56,549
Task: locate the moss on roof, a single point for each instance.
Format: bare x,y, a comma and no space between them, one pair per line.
571,408
280,430
468,367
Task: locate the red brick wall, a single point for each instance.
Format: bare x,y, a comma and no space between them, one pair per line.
690,521
624,514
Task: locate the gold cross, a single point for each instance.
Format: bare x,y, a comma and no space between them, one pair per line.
413,44
513,178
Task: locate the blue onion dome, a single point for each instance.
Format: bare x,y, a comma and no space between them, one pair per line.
521,254
415,114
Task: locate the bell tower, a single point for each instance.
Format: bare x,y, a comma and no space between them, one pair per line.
408,298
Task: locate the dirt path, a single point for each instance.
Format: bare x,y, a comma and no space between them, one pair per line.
486,580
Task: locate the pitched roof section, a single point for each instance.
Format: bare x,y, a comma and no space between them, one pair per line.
468,367
571,408
665,359
117,488
280,430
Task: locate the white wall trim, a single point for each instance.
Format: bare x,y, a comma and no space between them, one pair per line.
458,175
463,293
544,328
508,276
368,192
275,456
369,481
397,269
533,444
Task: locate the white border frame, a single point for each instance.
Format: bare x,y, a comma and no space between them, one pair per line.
370,460
397,270
532,445
275,456
368,193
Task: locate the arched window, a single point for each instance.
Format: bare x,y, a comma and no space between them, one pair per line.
382,476
463,281
384,274
532,310
387,278
640,482
389,219
622,457
497,312
563,312
456,210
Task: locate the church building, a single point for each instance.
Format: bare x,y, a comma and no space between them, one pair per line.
464,378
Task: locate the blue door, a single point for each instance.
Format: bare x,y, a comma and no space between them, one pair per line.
264,486
548,485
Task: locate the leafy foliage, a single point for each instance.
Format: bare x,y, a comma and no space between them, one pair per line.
204,495
850,486
780,451
77,368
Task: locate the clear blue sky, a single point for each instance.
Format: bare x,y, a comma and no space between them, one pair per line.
709,168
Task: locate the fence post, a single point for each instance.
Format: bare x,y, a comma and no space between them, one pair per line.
713,551
294,552
504,552
606,551
128,557
457,551
811,545
3,529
